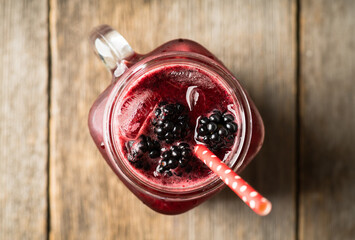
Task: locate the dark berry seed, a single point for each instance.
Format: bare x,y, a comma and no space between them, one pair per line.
184,146
160,123
232,127
177,129
215,138
222,132
169,109
150,144
157,112
176,154
206,139
202,131
168,126
169,135
182,117
154,154
215,118
214,148
228,118
179,107
204,120
216,111
219,145
172,163
182,124
156,145
174,148
211,127
169,140
185,126
230,138
166,154
171,106
159,131
186,153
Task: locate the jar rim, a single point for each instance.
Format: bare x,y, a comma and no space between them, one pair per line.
148,64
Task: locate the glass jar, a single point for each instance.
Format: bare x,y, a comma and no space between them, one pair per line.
126,66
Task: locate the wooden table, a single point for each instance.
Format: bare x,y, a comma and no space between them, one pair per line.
296,58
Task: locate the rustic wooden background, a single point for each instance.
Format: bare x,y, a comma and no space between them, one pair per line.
295,57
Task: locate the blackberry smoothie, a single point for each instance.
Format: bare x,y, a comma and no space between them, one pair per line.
157,107
164,114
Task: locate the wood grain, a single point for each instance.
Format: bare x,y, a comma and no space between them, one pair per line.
23,119
327,125
255,39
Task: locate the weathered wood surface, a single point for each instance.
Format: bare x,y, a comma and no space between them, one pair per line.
327,97
256,40
23,119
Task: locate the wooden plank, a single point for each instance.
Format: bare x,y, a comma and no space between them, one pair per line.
23,119
255,39
327,110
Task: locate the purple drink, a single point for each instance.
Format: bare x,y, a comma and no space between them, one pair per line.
148,120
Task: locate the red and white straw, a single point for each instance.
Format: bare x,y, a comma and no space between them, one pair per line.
252,198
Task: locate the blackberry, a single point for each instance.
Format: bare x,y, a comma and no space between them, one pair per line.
170,122
141,148
217,131
177,156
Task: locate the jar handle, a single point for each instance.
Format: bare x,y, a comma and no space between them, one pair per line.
111,48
